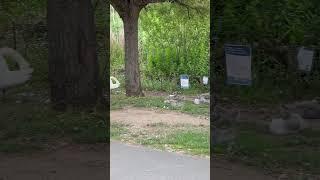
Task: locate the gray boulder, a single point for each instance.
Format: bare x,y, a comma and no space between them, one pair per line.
293,124
174,100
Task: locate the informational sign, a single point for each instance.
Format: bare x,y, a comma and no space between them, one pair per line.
238,62
184,81
305,59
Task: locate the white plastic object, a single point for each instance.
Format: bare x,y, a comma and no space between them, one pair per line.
114,85
12,78
205,80
196,101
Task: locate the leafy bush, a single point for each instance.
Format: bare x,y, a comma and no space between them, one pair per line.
174,43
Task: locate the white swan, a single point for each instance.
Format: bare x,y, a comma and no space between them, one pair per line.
114,85
12,78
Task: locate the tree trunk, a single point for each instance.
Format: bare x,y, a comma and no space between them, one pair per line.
73,66
132,71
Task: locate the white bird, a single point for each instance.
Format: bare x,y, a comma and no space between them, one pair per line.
12,78
114,85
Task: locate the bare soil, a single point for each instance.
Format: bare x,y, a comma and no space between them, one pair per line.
72,162
139,117
224,170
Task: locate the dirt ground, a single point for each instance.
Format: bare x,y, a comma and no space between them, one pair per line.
72,162
139,117
90,162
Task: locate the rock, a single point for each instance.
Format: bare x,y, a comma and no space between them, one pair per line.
205,98
278,127
296,123
174,100
202,99
293,124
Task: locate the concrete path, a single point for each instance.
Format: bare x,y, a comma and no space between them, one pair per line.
138,163
130,162
78,162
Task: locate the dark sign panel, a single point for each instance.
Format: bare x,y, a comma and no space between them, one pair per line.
238,61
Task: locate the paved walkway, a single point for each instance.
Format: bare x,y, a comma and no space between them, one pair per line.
77,162
138,163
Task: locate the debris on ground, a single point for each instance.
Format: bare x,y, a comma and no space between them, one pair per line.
175,100
306,109
202,99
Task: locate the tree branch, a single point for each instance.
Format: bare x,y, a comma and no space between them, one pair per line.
119,6
144,3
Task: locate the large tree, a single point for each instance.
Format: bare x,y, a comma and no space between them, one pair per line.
73,66
129,12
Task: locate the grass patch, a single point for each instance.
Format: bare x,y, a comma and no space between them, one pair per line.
35,124
275,152
190,140
121,101
117,130
269,93
194,141
170,86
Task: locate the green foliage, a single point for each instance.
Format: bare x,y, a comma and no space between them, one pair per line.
37,124
173,43
116,59
260,149
273,28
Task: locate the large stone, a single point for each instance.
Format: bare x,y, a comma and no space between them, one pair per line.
205,98
296,123
278,127
174,100
293,124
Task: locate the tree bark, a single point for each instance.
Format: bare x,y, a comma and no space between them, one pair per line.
129,12
132,70
73,66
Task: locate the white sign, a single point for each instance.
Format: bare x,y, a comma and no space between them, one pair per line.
184,81
305,59
205,80
238,61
